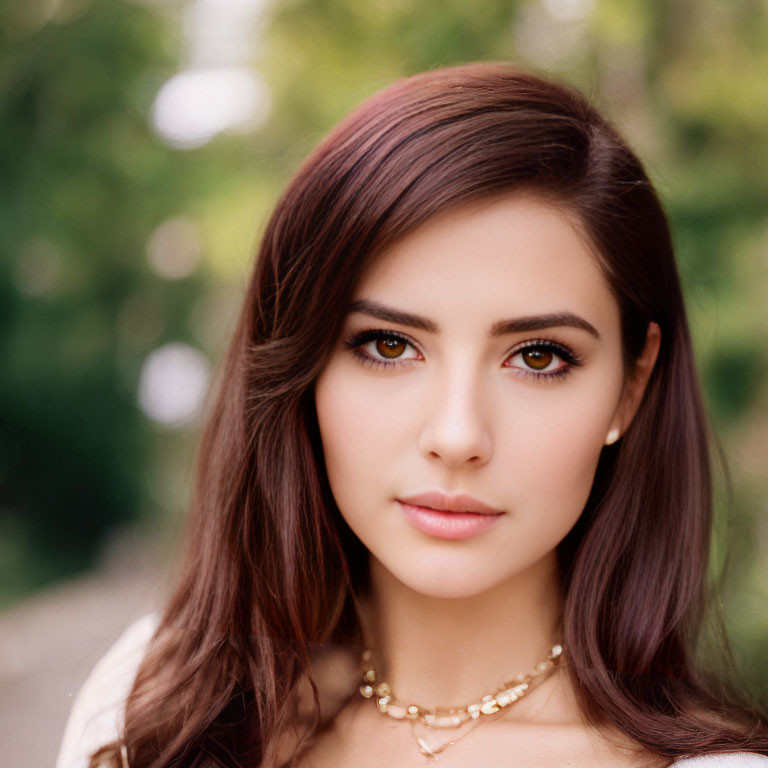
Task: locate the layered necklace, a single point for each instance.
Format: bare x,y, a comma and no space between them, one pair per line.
429,723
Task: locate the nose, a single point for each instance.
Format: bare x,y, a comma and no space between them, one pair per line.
455,430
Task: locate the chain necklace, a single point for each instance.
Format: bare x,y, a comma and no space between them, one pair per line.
425,720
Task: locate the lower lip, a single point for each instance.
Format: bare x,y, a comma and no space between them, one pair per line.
447,525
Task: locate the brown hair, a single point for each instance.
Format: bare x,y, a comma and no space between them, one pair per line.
271,570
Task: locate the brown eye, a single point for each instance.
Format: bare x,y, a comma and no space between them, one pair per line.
544,360
537,358
379,347
390,347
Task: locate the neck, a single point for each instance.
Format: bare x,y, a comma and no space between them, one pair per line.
446,651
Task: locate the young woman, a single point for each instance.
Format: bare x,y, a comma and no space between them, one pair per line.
454,495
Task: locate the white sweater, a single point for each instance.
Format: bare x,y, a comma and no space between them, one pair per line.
97,713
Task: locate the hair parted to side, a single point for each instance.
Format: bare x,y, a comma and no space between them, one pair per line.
271,570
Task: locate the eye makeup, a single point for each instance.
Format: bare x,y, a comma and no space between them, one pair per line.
358,341
387,343
545,348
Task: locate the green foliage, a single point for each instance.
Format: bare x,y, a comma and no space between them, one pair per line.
83,182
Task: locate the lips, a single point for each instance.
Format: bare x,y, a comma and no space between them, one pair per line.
443,502
444,516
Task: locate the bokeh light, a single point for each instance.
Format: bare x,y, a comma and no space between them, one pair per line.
173,383
174,249
195,105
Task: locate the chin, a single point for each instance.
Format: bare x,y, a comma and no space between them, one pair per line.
449,584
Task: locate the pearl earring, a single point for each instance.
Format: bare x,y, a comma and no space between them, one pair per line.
612,437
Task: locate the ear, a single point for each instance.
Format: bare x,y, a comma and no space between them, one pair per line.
634,385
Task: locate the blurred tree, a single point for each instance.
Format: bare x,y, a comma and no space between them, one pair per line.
83,184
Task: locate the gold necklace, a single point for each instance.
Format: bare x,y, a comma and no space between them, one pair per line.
445,718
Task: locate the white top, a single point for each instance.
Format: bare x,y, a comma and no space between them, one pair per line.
97,715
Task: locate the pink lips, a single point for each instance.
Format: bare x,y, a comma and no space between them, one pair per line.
448,517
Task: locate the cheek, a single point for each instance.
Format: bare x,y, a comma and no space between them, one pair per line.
365,416
357,432
555,444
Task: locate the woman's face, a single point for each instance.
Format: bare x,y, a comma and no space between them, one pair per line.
465,406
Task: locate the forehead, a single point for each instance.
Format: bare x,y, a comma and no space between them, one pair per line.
512,255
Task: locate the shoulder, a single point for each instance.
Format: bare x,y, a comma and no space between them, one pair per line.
729,760
96,716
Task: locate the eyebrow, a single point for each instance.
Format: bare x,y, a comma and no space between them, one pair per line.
500,328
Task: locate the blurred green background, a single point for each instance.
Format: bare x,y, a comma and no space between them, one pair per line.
142,145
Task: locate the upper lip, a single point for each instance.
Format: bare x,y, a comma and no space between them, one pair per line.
444,502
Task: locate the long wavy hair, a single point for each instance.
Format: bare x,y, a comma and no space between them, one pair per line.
271,571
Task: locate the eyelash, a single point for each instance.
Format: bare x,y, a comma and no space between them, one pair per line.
566,354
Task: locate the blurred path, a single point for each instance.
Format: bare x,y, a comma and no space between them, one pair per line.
49,644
